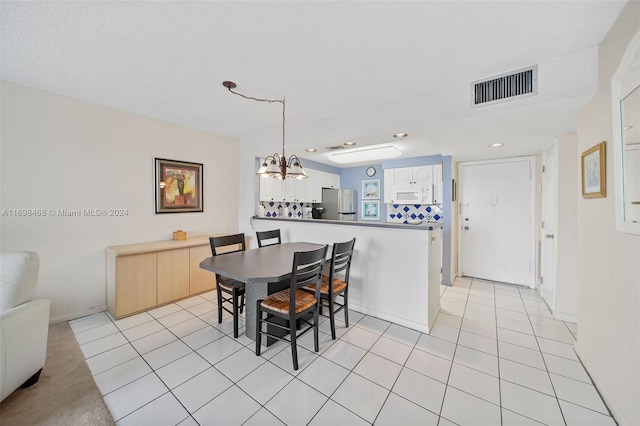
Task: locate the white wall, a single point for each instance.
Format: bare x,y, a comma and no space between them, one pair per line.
608,260
63,153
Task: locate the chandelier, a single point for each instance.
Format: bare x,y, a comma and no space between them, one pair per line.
276,165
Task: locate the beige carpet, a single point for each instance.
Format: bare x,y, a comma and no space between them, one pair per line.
66,393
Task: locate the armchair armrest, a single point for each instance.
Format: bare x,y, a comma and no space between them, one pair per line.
23,343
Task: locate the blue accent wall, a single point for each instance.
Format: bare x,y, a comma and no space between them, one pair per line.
352,177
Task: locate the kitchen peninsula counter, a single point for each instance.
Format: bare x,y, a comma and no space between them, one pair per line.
395,271
425,226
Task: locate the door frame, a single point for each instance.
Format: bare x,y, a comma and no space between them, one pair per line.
534,208
550,299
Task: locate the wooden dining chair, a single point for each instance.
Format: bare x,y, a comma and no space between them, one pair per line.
333,285
233,289
293,303
268,238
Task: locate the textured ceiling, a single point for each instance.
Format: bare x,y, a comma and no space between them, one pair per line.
349,70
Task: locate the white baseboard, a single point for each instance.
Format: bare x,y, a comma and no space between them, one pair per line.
562,316
384,316
75,315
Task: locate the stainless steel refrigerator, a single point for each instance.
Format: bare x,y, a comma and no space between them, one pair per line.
339,204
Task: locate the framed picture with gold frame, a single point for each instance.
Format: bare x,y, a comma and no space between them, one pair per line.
178,186
594,172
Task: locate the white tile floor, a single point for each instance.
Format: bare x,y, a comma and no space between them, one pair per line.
495,356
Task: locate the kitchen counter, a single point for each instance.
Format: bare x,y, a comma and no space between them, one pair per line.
426,226
395,272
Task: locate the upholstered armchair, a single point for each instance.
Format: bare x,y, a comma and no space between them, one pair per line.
24,322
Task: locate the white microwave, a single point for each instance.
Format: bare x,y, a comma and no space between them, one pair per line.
414,196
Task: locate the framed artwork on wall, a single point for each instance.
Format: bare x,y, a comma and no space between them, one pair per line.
371,210
594,173
178,186
371,189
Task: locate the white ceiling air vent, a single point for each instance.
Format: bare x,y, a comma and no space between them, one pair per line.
335,147
505,87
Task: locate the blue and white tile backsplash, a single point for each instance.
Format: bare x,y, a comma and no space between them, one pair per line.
397,213
274,209
403,213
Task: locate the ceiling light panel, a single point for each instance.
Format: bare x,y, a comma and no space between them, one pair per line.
369,154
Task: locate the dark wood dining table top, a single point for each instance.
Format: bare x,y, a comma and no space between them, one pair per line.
266,264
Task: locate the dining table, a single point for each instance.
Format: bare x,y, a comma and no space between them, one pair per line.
262,270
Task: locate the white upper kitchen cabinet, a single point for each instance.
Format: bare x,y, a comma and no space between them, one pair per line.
413,177
329,180
298,190
422,183
437,184
389,186
272,189
295,190
313,189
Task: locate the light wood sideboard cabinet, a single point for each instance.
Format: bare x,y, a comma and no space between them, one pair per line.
146,275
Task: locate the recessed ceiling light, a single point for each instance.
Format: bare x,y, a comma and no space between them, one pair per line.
365,154
496,145
628,127
311,150
400,135
350,143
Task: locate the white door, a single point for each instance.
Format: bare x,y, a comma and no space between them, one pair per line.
549,226
497,211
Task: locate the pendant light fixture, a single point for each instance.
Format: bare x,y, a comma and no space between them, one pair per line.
276,165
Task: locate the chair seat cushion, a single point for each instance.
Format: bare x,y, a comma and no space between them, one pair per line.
229,284
338,285
279,302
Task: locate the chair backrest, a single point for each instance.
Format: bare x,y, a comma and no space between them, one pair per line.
227,244
307,269
341,259
268,235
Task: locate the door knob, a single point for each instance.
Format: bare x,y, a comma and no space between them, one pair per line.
466,228
549,236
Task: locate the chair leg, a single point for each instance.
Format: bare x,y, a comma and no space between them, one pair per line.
345,297
332,319
242,303
316,327
294,345
258,328
219,304
235,314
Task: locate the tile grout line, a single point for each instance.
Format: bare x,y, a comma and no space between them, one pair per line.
498,358
352,371
544,361
169,390
455,349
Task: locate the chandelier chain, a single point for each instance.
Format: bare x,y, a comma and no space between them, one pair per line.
270,101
